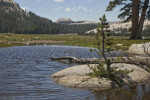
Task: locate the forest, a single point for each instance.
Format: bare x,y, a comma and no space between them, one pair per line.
13,20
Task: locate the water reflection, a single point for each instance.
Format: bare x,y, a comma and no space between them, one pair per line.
140,92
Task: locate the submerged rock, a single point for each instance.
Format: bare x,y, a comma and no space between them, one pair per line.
76,77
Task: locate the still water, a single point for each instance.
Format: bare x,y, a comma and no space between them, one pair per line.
25,75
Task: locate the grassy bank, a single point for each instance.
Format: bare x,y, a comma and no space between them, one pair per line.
8,39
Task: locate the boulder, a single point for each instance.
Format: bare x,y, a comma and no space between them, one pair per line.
139,48
76,77
119,45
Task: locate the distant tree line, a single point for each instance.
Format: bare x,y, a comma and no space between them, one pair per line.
126,32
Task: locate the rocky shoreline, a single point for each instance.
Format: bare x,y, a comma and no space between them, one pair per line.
77,76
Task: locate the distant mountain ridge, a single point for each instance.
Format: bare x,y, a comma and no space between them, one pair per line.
64,21
70,22
120,27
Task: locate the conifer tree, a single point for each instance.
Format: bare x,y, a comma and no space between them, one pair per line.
135,10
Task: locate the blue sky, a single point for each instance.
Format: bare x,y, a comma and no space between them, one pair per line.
77,10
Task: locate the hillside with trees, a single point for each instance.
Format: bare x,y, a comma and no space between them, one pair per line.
13,19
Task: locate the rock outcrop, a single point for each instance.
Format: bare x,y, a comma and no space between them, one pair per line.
70,22
118,26
76,77
12,6
139,48
64,21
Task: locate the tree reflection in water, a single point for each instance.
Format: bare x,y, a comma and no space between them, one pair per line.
140,92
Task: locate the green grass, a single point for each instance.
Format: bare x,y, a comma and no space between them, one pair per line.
9,39
126,42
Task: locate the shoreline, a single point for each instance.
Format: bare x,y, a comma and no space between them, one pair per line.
10,39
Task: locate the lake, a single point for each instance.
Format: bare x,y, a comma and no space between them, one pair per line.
25,75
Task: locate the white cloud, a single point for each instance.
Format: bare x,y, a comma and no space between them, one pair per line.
90,10
79,8
58,0
76,9
67,9
24,8
84,9
58,8
39,0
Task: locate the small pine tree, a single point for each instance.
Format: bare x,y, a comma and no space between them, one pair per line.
99,70
103,35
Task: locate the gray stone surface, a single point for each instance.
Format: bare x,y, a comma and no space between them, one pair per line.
76,77
138,48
